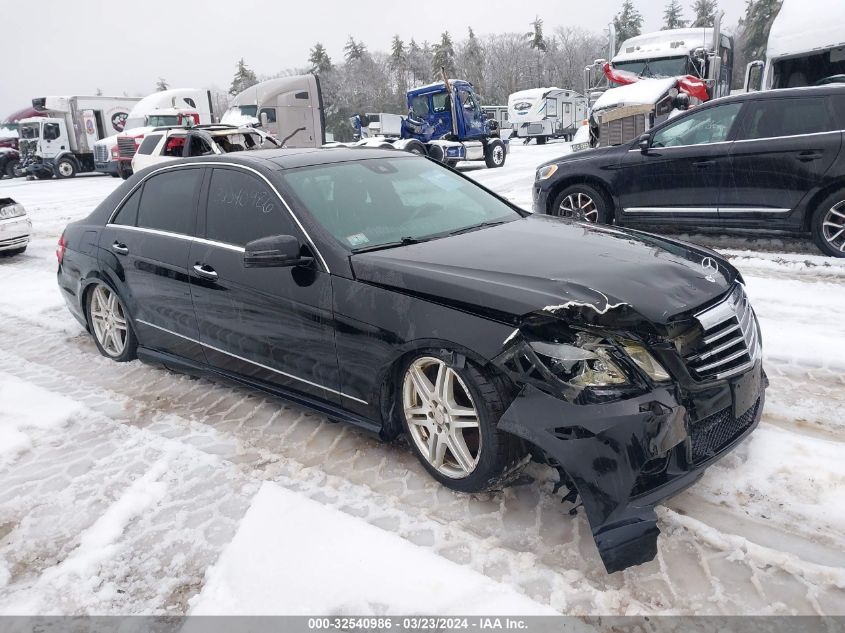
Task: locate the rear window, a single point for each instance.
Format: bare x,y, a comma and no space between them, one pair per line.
149,143
771,118
128,214
168,201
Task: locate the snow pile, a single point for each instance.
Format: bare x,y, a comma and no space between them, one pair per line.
645,91
25,411
806,25
295,556
7,133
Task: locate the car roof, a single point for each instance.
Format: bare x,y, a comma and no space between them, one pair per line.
307,157
784,92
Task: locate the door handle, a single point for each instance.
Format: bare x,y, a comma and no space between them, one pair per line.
120,248
808,156
205,271
704,163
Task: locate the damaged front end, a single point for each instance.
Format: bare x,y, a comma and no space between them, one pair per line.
615,404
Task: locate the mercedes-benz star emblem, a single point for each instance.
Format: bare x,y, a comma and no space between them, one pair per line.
710,268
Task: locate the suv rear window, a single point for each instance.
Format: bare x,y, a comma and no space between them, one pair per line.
771,118
149,143
168,201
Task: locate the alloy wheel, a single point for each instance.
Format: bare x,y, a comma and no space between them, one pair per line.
442,419
109,320
579,206
65,169
833,226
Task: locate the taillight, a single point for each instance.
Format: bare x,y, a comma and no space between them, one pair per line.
60,249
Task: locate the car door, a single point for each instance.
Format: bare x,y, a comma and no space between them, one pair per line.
783,149
472,116
273,325
676,181
144,251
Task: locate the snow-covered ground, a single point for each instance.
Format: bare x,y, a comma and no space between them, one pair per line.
130,489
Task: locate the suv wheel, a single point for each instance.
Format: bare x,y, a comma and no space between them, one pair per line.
109,323
581,202
450,414
828,225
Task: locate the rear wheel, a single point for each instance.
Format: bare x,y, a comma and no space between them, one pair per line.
108,321
494,153
66,168
450,411
581,202
828,225
541,140
415,147
12,168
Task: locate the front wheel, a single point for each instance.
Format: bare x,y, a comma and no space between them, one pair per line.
494,154
66,168
123,170
110,326
12,168
450,411
828,225
581,202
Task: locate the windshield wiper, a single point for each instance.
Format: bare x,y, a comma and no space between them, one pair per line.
405,241
475,227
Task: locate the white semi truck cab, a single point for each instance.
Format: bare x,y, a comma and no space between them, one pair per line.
806,47
61,142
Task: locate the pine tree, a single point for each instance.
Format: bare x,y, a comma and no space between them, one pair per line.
705,12
444,56
473,61
628,22
397,52
161,84
535,36
354,51
319,59
755,26
243,79
99,92
672,16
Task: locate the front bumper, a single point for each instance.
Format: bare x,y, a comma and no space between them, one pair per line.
14,233
540,198
626,456
109,167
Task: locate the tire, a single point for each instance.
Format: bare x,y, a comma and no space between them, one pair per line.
581,202
491,458
66,168
541,140
452,163
123,172
828,225
98,307
495,154
115,175
436,153
415,147
11,168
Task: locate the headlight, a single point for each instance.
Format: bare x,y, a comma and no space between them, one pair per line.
587,363
546,172
12,211
645,361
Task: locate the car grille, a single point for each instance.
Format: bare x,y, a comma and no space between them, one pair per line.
126,146
710,435
730,343
101,153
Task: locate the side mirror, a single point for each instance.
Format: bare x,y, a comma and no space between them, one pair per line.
493,124
263,118
644,142
275,251
753,78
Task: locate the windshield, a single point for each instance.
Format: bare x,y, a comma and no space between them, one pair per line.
157,120
131,124
370,203
9,127
664,67
797,72
30,130
248,110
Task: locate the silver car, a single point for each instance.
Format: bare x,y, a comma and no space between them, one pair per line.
15,227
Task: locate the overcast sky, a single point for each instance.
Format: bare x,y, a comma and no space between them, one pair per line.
61,47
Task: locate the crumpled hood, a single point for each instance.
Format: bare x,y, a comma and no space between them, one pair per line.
546,263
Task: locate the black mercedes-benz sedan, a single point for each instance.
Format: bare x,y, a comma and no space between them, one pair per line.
389,291
770,161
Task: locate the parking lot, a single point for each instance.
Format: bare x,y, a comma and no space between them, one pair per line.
122,485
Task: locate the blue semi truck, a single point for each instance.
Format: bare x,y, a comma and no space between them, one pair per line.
445,121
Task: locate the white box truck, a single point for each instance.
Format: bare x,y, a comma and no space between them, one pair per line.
289,108
61,142
806,47
544,113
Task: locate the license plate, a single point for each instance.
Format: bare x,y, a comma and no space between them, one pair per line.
746,390
577,147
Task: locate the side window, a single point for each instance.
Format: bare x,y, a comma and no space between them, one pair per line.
271,114
149,143
419,105
770,118
440,102
128,214
174,147
51,131
838,103
199,146
167,203
710,125
242,208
